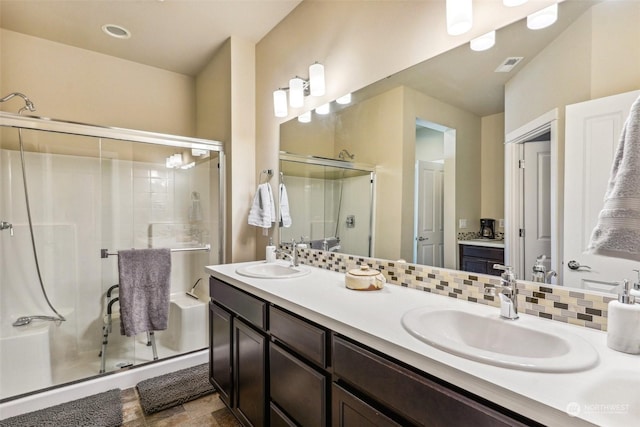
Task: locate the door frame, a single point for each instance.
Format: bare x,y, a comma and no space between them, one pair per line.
514,253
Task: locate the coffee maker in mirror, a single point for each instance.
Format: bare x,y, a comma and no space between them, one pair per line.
487,228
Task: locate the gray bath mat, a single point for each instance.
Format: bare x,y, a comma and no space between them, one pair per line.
99,410
174,388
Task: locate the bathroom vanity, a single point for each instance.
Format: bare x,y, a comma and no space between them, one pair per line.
308,351
479,255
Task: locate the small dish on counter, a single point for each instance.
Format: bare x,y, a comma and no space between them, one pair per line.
364,279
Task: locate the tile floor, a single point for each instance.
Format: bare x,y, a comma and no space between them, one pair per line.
207,411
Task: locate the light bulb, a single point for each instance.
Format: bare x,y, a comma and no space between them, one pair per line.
459,16
305,117
543,18
484,42
345,99
323,109
296,92
316,79
280,103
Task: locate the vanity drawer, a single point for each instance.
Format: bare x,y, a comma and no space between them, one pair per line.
483,252
301,336
407,393
297,388
241,303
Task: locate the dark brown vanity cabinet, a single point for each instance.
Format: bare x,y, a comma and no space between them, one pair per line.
238,351
480,259
276,368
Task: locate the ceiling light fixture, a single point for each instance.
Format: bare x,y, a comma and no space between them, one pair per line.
459,16
513,3
116,31
484,42
298,89
543,18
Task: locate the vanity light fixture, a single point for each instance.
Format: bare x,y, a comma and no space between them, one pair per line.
513,3
459,16
484,42
305,117
298,89
324,109
345,99
543,18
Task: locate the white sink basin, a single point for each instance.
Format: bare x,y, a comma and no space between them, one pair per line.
275,270
496,341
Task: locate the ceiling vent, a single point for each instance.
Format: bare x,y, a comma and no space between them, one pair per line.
508,64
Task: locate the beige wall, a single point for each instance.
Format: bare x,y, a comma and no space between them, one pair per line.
74,84
347,37
598,55
226,112
316,138
492,160
380,143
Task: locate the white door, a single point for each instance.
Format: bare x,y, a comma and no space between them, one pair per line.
592,132
536,204
429,248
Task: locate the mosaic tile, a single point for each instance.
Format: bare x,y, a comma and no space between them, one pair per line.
537,299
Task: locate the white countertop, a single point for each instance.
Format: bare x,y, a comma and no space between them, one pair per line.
489,243
606,395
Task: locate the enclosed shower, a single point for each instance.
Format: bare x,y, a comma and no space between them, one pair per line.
71,196
331,202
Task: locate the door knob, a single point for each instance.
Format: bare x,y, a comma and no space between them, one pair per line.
575,265
422,239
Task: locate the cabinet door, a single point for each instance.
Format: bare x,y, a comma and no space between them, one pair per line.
350,411
250,374
220,352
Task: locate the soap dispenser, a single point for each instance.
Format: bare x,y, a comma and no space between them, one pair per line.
623,330
270,251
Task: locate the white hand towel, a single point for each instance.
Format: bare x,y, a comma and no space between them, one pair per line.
262,212
617,233
285,215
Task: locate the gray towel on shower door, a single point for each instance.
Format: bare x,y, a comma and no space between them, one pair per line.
145,278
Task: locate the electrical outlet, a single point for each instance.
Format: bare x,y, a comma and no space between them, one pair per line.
462,223
501,223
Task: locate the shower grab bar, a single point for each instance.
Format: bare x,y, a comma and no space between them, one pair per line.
104,253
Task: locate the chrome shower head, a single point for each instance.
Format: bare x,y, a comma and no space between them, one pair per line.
28,104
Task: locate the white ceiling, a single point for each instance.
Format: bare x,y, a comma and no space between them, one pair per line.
182,36
176,35
467,79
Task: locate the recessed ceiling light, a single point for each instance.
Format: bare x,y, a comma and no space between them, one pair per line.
116,31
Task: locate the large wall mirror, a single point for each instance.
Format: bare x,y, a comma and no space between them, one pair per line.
457,111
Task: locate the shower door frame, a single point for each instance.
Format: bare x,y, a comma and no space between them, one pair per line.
345,165
131,135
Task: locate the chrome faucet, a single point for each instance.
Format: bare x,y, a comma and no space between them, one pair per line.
293,255
540,273
508,292
4,225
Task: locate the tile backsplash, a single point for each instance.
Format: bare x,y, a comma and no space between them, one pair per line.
582,308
